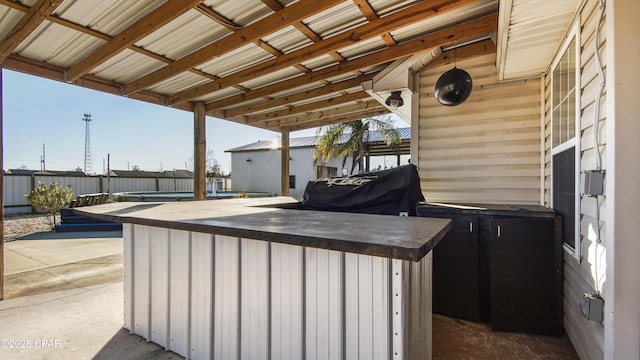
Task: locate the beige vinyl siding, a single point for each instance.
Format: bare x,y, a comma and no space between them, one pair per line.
581,275
486,150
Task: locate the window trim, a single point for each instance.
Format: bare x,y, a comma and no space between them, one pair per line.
572,34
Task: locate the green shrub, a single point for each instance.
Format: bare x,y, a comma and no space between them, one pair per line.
50,198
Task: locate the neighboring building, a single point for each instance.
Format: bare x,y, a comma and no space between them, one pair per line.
256,166
45,172
219,183
142,174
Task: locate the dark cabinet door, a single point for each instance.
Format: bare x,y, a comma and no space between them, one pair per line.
456,279
525,276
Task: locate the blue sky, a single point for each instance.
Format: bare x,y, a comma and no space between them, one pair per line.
39,111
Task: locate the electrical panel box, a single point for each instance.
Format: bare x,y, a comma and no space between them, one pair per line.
591,307
591,182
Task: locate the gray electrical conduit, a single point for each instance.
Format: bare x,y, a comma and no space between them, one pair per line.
603,82
596,121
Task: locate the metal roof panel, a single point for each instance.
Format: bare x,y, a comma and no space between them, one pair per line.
240,12
55,44
183,35
236,60
386,7
126,66
8,19
298,89
319,62
462,14
221,94
536,28
362,48
106,16
287,40
335,20
276,76
182,81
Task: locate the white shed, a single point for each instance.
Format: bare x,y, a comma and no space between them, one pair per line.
256,166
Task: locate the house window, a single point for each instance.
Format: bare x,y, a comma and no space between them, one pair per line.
564,194
292,181
323,172
564,97
564,144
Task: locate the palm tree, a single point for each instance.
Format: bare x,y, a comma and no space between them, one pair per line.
333,142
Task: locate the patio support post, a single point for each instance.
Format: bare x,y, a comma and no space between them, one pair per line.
199,152
621,287
367,166
1,193
284,168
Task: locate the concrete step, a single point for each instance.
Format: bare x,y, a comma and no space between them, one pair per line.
101,226
74,219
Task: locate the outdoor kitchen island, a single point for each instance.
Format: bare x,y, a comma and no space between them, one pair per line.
259,278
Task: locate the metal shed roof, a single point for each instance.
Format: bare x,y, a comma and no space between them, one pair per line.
311,141
44,173
273,64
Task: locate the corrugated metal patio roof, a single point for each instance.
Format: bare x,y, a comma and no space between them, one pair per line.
272,64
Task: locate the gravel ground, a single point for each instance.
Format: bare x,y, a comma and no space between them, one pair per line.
18,225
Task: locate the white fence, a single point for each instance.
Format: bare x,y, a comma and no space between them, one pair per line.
16,186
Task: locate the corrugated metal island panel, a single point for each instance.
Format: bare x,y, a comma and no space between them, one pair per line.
180,280
204,296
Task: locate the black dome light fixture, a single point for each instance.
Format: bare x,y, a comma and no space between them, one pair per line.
454,86
394,100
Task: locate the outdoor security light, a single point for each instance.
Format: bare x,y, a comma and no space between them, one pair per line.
394,100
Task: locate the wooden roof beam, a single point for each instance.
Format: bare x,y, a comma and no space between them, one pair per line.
261,92
443,37
213,15
310,107
325,113
85,30
27,24
299,96
300,26
484,47
52,72
248,34
376,27
370,14
302,124
143,27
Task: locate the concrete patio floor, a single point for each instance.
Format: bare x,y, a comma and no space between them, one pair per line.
64,299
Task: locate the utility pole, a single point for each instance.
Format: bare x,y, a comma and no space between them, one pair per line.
109,175
43,164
